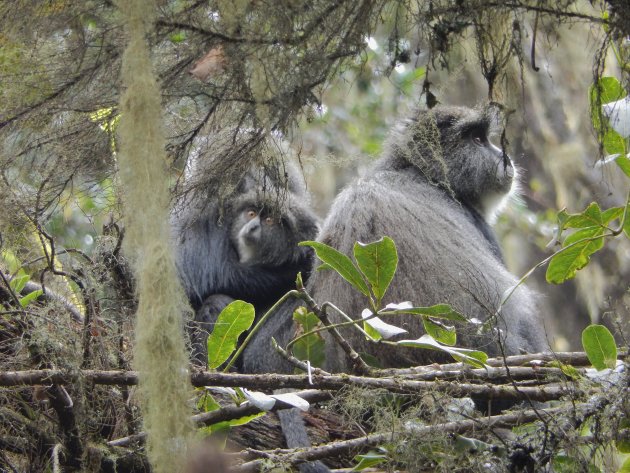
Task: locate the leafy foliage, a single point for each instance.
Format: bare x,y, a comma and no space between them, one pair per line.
234,319
592,227
376,264
600,347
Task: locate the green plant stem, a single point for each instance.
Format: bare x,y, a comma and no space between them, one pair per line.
350,322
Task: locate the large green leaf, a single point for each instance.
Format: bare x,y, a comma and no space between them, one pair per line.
606,90
610,90
340,263
565,264
234,319
599,345
614,143
378,262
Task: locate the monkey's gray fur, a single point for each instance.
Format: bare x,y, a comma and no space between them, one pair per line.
434,190
244,246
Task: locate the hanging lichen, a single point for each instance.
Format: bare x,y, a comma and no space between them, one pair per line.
159,346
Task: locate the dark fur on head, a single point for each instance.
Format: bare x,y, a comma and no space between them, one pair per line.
431,143
207,256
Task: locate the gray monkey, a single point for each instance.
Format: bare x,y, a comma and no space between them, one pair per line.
245,247
434,191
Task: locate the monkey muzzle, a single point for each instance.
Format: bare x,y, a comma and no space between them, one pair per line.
249,240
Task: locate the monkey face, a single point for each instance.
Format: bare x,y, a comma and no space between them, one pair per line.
489,175
262,237
465,162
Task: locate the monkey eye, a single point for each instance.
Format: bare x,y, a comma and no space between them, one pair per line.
269,221
478,137
251,214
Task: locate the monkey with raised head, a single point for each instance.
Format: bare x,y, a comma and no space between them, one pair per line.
434,191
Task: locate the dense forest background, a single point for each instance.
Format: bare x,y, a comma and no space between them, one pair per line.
325,80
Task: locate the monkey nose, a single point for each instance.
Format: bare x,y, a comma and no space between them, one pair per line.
253,232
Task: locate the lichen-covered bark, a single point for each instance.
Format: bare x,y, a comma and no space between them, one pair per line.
159,352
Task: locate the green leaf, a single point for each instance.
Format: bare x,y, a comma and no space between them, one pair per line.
378,262
610,89
568,370
377,328
599,345
590,217
371,331
611,214
207,403
19,281
340,263
566,464
438,311
613,142
475,358
472,357
442,334
308,320
311,347
624,445
369,460
624,164
565,264
324,267
225,425
234,319
30,297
